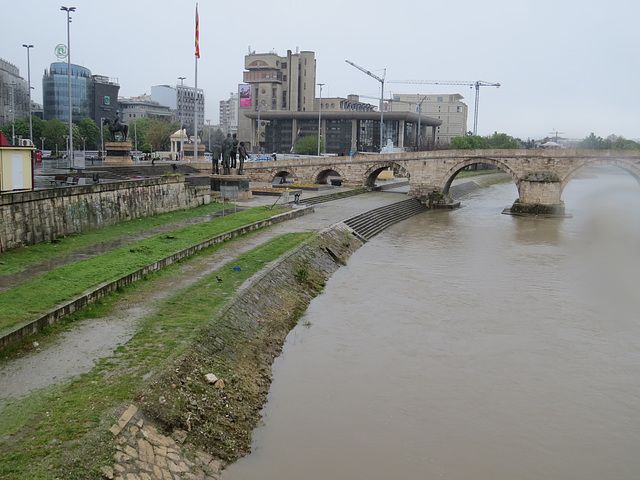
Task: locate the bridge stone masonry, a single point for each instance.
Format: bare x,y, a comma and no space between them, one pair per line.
540,175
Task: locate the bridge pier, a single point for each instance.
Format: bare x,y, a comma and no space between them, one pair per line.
539,195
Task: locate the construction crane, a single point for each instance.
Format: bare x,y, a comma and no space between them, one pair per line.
477,84
381,80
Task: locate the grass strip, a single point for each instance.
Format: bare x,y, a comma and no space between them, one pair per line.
39,295
17,260
62,432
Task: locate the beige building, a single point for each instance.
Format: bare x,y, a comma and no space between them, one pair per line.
448,108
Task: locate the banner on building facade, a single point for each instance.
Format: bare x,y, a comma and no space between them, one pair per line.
245,95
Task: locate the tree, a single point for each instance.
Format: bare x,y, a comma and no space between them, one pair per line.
159,134
54,132
592,142
469,142
308,145
88,130
138,129
503,141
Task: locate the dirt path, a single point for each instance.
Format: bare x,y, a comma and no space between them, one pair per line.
76,350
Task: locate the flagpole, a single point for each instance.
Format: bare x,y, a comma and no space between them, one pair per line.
195,122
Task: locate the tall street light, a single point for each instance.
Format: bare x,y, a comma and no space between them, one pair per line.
180,113
69,10
13,113
28,47
320,118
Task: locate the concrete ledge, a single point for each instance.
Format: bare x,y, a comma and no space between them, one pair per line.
81,301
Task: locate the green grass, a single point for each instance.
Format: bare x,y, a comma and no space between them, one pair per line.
61,432
19,259
33,298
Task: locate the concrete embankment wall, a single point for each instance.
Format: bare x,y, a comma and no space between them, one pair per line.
35,326
27,218
239,346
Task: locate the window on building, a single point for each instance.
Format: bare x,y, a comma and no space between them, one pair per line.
440,99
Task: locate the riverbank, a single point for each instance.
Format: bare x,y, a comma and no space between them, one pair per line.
71,422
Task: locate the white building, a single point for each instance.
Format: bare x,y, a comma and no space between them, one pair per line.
142,107
185,101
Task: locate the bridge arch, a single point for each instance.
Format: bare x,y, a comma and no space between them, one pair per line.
626,165
373,171
322,174
284,174
453,171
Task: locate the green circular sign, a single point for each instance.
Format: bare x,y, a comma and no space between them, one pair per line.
61,51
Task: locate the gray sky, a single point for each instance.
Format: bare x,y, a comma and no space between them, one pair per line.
564,65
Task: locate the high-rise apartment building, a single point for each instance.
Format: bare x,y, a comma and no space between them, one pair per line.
229,114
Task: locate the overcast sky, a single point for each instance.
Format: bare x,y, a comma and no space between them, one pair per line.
569,66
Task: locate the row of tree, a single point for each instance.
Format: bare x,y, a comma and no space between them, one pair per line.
504,141
149,134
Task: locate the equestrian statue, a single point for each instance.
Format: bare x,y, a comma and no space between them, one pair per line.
116,126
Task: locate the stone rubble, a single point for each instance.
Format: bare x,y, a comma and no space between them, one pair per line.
145,454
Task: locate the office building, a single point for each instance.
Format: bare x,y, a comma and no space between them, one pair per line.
92,96
14,93
448,108
183,100
143,106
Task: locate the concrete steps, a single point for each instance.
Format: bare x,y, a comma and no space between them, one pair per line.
369,224
332,196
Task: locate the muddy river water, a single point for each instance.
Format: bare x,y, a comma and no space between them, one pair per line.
470,345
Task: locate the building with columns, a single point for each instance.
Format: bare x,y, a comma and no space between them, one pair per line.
278,105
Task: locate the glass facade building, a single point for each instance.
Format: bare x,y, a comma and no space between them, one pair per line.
55,92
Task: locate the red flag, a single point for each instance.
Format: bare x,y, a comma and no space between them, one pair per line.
197,33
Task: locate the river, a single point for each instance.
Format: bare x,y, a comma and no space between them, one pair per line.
468,344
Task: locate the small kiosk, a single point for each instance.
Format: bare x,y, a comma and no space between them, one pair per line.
16,167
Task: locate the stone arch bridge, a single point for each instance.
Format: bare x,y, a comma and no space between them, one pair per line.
540,175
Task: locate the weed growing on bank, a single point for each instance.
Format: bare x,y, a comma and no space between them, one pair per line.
35,297
62,431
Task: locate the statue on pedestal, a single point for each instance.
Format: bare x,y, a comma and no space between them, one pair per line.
116,126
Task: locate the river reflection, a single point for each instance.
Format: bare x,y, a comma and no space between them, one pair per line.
470,345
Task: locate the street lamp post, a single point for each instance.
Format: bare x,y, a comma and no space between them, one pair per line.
42,140
13,113
28,47
320,118
69,10
180,113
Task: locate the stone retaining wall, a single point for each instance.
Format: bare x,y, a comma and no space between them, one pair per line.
27,218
